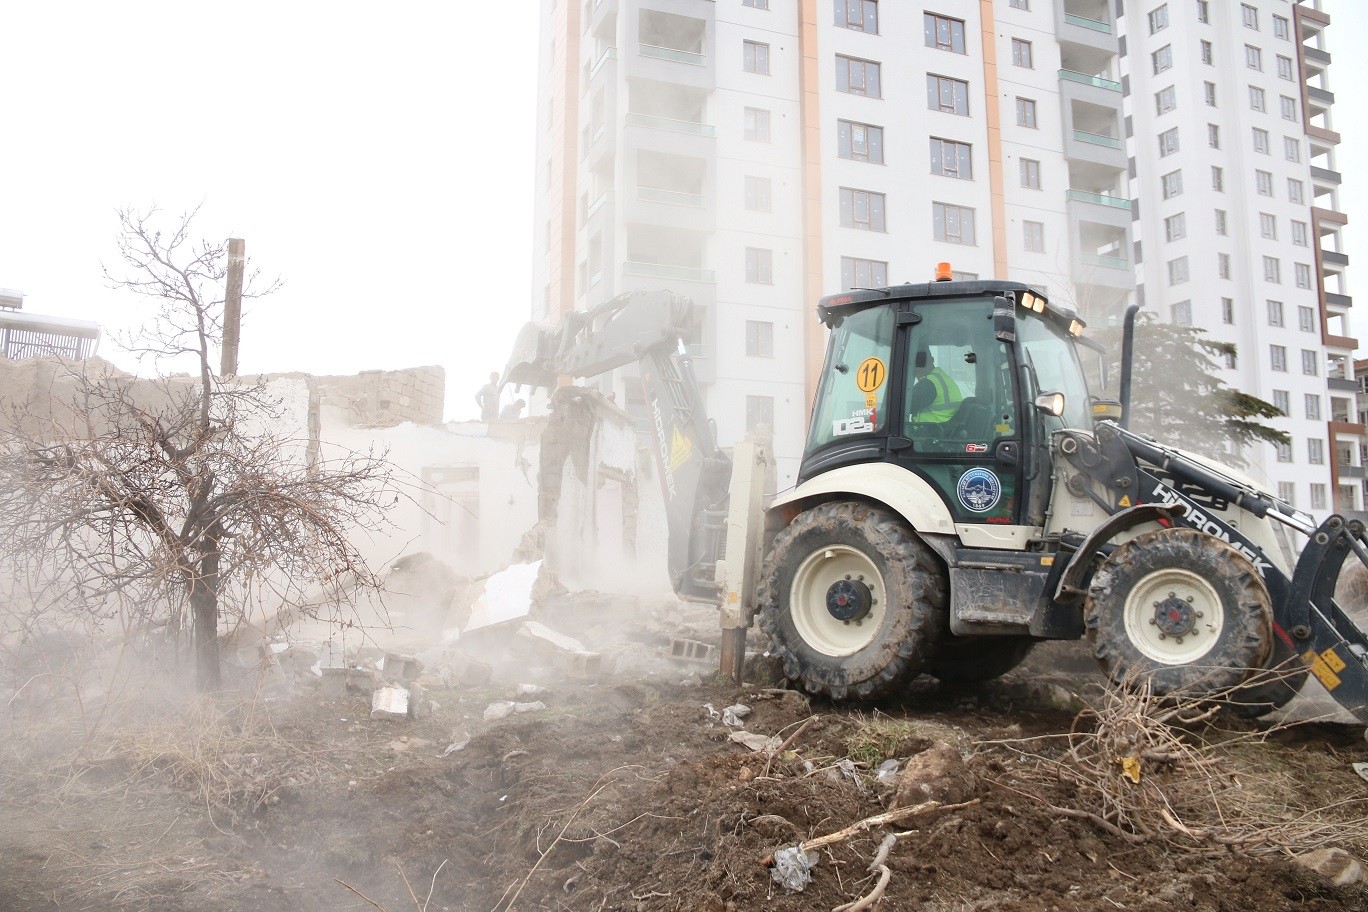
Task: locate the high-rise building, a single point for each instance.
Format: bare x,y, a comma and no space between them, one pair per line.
757,154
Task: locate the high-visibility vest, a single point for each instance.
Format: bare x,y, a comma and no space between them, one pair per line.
948,398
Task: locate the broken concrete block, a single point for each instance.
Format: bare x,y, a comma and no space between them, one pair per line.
337,681
297,660
538,636
580,664
390,703
534,706
418,702
693,651
531,690
500,710
1337,865
755,742
400,668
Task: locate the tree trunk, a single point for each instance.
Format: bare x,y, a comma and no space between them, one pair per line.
204,606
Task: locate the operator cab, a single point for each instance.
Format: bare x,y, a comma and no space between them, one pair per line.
961,383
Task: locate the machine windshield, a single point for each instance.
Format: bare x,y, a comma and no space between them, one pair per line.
1053,360
854,388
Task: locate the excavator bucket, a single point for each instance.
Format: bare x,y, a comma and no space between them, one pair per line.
534,353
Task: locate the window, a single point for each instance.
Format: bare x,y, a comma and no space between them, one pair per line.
1203,11
860,15
858,273
1228,311
1306,319
1280,29
1317,495
1030,174
1178,271
1263,182
1299,234
1313,407
948,95
1303,272
1253,58
859,142
1294,190
1213,136
1021,54
1162,59
1165,100
862,209
1168,142
857,77
1277,357
759,266
1209,89
1288,106
755,57
756,4
1268,226
952,224
1284,451
1175,227
1220,222
1181,313
1249,16
1285,68
943,33
1217,179
1172,184
1291,149
1026,113
1020,4
757,193
1033,236
1275,313
1223,265
759,339
1207,56
759,412
1315,453
1158,18
951,159
1272,270
1260,140
1256,98
757,125
1282,400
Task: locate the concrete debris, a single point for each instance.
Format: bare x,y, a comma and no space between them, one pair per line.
936,774
733,714
339,681
531,690
1337,865
390,703
455,746
399,668
582,665
534,706
691,680
693,651
547,641
507,595
500,710
419,705
1054,696
755,742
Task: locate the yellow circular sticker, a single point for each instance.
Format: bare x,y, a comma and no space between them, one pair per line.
871,375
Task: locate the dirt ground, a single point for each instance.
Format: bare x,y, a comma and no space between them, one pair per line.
627,792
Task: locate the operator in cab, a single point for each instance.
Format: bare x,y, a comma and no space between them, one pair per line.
935,396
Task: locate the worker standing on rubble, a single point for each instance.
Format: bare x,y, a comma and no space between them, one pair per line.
488,398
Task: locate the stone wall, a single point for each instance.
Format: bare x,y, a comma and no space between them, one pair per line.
386,398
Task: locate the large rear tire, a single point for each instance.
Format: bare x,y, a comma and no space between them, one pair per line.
852,601
1180,611
970,660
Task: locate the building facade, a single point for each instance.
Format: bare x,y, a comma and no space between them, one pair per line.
757,154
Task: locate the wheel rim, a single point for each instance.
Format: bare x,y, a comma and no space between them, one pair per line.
1174,616
829,572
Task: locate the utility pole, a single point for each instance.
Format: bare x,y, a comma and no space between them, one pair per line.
232,307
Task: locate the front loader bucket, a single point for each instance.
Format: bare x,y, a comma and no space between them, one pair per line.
534,352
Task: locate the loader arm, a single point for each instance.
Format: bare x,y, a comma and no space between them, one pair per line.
647,329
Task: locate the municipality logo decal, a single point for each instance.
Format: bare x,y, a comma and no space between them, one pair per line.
979,490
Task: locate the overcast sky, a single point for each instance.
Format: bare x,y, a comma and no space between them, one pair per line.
378,157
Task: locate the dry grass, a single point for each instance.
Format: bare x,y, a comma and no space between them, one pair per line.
879,738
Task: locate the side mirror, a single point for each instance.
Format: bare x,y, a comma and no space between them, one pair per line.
1050,403
1004,319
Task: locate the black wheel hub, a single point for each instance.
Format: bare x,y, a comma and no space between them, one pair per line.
849,600
1174,616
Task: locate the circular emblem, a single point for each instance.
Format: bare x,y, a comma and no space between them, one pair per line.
871,375
979,490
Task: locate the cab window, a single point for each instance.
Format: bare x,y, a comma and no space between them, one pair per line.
854,389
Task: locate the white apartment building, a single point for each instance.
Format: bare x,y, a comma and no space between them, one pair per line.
757,154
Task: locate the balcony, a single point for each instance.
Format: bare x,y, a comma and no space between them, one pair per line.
1090,24
602,200
1339,383
1097,139
1325,175
1100,199
607,55
1316,55
665,271
670,125
1085,24
1332,299
664,53
1334,258
1110,262
671,197
1110,85
1323,96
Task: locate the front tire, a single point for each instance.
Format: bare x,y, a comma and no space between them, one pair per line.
1180,610
852,601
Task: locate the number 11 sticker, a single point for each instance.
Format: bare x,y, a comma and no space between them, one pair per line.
871,375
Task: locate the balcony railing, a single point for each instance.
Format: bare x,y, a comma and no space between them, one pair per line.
1097,139
1100,199
663,271
664,53
669,124
1110,85
605,197
673,197
1097,259
607,55
1085,22
1334,258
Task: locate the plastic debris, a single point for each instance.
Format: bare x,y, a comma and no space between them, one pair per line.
753,741
713,714
733,714
887,773
793,868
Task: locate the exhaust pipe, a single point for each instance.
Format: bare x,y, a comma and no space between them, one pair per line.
1127,362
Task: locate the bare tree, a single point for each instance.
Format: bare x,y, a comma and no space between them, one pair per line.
179,502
